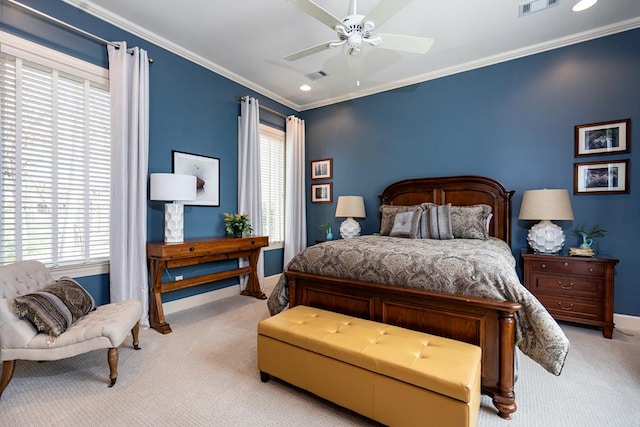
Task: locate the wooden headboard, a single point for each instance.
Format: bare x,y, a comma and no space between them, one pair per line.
459,191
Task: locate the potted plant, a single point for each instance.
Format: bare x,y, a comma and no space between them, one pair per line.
588,235
237,225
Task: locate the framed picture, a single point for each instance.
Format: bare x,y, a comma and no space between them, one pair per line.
321,169
321,193
603,138
207,172
601,177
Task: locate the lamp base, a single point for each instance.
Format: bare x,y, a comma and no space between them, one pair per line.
349,228
173,223
546,237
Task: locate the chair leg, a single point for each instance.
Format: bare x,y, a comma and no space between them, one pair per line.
112,356
134,334
8,366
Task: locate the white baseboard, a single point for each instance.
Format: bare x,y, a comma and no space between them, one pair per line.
626,322
211,296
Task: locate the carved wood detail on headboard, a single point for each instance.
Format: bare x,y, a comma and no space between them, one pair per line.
459,191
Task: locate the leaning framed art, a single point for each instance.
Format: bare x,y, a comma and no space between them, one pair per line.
207,172
601,177
595,139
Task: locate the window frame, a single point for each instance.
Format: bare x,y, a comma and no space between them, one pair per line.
37,55
279,133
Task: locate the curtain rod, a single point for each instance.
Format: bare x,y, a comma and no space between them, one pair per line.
277,113
68,26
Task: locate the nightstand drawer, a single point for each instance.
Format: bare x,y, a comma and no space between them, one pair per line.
567,285
570,308
564,266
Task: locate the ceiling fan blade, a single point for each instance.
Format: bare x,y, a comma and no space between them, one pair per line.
308,51
384,10
410,44
315,11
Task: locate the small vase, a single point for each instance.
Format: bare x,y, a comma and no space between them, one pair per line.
237,234
329,234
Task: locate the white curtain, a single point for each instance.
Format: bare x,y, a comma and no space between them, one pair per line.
249,187
295,232
129,86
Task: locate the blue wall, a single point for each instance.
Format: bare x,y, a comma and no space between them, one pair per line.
513,121
191,109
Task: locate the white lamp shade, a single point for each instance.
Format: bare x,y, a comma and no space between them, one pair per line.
546,204
172,187
350,207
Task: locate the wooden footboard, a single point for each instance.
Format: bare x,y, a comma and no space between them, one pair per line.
487,323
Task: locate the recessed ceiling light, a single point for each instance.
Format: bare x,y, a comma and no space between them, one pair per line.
305,88
583,5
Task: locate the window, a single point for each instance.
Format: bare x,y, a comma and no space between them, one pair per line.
54,157
272,177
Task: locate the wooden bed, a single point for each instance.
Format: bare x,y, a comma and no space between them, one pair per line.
487,323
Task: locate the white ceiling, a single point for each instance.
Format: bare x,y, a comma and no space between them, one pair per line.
245,40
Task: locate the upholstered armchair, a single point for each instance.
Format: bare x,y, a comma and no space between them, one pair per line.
106,326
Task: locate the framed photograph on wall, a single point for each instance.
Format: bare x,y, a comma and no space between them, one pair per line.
207,172
322,169
321,193
601,177
603,138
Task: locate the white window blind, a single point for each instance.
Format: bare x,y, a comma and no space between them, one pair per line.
54,163
272,176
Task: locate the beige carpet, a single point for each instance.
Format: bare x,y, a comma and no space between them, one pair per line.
204,373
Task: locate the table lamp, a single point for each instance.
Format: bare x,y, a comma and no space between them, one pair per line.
546,205
350,207
176,188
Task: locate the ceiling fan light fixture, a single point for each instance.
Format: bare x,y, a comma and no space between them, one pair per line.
305,88
583,5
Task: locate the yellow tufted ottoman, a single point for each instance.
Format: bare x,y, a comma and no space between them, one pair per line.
389,374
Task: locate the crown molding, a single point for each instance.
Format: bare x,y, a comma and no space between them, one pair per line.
124,24
136,30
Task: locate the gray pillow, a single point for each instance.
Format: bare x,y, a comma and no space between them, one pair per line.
436,222
470,222
388,214
405,224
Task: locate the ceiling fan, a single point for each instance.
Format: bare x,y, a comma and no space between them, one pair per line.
356,29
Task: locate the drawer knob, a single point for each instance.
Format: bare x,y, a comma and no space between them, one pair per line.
191,249
565,307
590,270
566,264
569,286
544,266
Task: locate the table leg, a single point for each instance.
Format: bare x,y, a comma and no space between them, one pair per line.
156,312
253,285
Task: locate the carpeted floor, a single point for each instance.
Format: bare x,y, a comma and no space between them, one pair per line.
204,373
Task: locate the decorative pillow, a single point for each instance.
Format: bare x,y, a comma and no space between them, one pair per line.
388,214
53,309
436,222
470,222
405,224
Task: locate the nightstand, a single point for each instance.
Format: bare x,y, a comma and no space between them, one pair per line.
574,289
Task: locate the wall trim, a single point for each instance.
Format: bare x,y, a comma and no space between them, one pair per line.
626,322
211,296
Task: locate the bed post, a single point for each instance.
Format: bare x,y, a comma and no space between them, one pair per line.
505,398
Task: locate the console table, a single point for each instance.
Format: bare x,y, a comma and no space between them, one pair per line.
163,255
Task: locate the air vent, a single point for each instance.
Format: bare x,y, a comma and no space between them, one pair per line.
535,6
316,75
